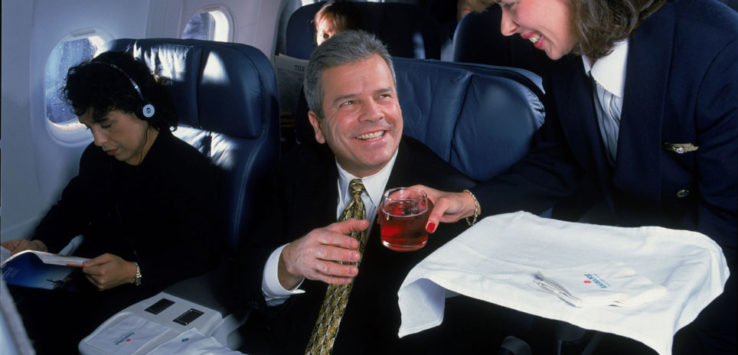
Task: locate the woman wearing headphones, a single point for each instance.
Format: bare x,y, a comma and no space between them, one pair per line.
143,200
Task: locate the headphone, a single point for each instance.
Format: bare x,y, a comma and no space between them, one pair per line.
146,109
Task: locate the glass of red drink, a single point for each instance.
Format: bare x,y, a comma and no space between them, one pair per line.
402,216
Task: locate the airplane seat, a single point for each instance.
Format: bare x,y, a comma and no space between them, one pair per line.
477,39
408,30
227,101
479,118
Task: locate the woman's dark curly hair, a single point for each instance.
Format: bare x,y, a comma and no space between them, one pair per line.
97,85
599,24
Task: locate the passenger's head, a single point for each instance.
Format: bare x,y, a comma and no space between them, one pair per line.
121,102
334,17
351,91
117,81
583,27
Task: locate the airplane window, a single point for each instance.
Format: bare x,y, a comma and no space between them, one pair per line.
66,54
213,25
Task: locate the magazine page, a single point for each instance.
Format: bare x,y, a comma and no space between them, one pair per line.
38,269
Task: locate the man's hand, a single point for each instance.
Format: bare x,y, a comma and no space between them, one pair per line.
108,271
18,245
315,256
448,207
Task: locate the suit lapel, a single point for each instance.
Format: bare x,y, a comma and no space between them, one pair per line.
639,142
318,203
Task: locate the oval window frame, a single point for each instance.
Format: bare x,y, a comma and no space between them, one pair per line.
216,12
70,131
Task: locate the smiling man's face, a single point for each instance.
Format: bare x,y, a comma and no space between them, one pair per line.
362,121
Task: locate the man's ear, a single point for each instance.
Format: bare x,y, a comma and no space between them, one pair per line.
315,122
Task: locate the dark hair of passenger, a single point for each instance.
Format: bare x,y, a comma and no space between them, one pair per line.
598,24
344,47
343,14
97,85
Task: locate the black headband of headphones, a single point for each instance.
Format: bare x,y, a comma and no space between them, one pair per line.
147,110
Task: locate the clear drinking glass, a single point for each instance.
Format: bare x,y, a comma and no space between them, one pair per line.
402,216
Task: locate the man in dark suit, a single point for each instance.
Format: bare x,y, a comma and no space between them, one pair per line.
641,129
355,113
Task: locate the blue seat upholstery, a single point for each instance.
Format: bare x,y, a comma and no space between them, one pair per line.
477,39
479,118
481,121
406,29
226,98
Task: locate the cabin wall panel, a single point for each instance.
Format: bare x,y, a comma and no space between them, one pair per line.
18,206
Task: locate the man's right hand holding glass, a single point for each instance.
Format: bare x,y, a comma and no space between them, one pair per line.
315,256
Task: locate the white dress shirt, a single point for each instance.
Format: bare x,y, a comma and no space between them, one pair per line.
609,75
273,291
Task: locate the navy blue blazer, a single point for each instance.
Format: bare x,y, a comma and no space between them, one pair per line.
681,87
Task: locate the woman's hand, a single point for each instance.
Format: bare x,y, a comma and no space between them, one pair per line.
18,245
108,271
448,207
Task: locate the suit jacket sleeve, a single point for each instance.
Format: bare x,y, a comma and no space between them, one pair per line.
717,157
546,174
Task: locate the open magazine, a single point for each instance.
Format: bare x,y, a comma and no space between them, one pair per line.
31,268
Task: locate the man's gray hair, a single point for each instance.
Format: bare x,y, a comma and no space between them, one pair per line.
342,48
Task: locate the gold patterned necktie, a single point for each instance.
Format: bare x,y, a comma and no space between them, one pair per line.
336,296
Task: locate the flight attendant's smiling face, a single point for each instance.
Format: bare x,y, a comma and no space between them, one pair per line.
121,135
546,23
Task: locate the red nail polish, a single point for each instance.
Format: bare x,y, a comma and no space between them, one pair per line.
431,227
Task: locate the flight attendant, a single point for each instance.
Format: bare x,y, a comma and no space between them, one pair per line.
641,129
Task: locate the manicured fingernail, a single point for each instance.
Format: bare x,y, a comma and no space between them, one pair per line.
431,227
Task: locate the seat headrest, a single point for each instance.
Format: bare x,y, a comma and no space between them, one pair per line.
478,118
222,87
477,39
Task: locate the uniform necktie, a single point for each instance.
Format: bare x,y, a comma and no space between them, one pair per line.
336,296
608,119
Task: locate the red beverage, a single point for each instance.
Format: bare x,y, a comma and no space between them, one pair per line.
402,219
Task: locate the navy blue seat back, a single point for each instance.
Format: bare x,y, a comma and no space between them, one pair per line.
481,121
477,39
227,101
406,29
479,118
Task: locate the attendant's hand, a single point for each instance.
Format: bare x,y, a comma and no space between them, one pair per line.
448,207
18,245
315,255
108,271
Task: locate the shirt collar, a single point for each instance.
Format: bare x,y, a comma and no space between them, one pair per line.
609,71
374,184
